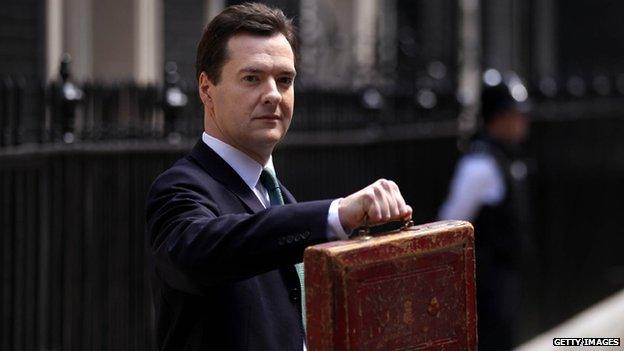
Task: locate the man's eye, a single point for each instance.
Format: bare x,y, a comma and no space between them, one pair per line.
251,79
286,80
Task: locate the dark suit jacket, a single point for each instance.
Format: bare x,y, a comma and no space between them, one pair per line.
222,265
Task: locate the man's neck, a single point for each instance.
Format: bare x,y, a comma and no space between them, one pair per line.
261,158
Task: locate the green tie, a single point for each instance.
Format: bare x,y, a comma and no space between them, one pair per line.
269,181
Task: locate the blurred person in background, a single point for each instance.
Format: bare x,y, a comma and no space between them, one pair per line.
489,188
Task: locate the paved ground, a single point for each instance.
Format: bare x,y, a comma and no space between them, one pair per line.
603,320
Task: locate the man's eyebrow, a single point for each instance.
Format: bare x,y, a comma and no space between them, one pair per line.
250,69
254,69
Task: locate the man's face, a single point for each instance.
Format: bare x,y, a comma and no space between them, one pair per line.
252,105
518,126
511,126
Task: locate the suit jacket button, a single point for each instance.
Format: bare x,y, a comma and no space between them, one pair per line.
295,295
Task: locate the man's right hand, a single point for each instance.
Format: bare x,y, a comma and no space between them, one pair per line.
378,203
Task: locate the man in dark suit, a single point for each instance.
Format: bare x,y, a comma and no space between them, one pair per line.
225,239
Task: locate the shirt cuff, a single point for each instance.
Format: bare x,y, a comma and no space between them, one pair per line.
335,231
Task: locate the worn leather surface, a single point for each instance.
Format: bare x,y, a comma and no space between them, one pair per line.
404,290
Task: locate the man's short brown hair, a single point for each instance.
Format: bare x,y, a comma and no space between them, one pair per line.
252,18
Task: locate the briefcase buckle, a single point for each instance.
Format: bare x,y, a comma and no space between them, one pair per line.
367,232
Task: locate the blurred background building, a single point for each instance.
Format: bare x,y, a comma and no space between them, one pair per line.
386,88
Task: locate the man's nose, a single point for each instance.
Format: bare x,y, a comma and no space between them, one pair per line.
272,95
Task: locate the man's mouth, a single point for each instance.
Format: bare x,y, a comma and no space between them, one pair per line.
269,117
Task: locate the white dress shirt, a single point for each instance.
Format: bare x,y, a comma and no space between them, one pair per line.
477,181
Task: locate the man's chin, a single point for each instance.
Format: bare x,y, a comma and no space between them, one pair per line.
269,139
271,134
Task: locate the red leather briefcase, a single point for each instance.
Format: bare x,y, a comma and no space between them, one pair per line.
411,289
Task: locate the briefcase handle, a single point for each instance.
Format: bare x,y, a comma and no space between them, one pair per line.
367,232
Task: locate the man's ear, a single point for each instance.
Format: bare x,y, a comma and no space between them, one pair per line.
205,87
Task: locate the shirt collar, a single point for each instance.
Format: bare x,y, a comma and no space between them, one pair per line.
246,167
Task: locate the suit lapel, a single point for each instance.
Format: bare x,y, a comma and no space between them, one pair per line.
288,197
220,170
